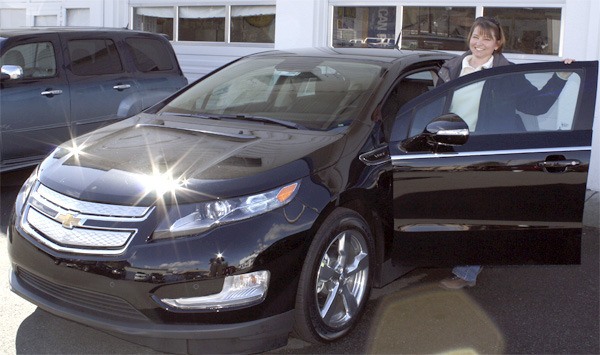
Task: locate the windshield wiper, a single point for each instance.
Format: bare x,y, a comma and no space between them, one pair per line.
198,115
263,119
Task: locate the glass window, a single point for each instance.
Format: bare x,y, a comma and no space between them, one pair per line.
543,101
78,17
444,28
221,24
529,30
312,93
202,23
94,57
533,102
45,20
255,24
11,18
148,55
154,19
36,59
364,26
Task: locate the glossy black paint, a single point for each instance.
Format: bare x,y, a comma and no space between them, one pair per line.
505,198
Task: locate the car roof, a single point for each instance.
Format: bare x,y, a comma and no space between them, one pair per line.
357,54
12,32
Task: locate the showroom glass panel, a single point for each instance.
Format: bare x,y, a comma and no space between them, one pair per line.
78,17
254,24
202,23
364,26
154,19
529,30
45,20
444,28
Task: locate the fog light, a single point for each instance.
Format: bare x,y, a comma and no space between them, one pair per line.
238,291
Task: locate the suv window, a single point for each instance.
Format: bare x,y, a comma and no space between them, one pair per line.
36,59
94,57
149,54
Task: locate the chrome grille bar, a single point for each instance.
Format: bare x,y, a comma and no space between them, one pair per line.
69,225
86,207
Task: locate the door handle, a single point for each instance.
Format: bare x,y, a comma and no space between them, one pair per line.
557,166
50,93
121,87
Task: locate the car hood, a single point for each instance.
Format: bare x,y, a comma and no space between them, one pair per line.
142,158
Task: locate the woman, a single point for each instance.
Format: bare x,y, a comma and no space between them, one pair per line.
486,41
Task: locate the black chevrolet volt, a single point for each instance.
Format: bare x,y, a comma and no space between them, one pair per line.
268,198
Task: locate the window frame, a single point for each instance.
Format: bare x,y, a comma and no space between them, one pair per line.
479,11
174,37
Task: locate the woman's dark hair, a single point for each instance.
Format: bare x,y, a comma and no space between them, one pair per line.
490,27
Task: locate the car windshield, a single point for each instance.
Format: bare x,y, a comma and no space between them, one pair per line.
301,92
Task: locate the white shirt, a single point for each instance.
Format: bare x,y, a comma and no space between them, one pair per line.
465,102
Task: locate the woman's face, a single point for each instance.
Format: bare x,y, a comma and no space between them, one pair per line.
482,45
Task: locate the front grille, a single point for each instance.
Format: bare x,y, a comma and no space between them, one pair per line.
93,303
70,225
79,237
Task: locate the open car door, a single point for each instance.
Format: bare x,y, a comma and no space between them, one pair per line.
491,168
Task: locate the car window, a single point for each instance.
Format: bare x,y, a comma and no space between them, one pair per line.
406,89
318,95
37,59
149,54
509,103
94,57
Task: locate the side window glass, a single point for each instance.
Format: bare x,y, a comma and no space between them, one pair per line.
94,57
426,113
149,54
519,103
561,115
36,59
405,90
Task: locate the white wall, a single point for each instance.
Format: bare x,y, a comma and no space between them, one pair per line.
296,20
582,42
584,36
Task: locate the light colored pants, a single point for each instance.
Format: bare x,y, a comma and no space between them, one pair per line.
468,272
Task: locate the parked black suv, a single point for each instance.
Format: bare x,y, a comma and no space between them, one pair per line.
58,83
271,195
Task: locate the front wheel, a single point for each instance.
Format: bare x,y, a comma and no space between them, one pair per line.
336,278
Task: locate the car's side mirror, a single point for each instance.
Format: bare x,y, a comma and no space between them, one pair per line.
448,130
11,72
445,131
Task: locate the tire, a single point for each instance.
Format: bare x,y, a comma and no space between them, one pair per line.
335,282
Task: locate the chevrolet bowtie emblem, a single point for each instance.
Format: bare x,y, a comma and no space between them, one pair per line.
68,220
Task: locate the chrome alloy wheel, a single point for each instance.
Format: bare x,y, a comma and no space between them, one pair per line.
342,279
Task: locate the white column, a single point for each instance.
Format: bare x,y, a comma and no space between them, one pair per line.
296,23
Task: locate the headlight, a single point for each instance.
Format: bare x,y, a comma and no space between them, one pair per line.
194,219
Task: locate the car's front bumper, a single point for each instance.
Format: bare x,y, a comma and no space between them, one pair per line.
252,336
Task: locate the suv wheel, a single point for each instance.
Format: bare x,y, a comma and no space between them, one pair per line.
336,278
